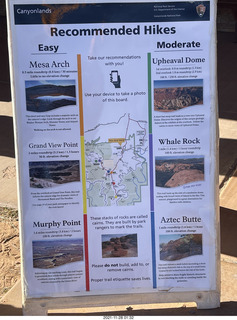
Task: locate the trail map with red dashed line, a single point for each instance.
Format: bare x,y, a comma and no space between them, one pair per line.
116,162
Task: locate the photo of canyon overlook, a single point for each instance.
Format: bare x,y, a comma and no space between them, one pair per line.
176,247
44,96
120,245
176,171
54,253
172,95
47,174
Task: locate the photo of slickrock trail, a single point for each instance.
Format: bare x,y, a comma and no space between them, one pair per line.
114,246
176,171
175,95
54,253
45,96
182,246
47,174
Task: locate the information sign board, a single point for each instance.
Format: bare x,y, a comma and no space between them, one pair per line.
115,120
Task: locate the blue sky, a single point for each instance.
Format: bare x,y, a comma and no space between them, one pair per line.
168,237
178,83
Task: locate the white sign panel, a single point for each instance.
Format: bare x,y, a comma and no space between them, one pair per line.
115,123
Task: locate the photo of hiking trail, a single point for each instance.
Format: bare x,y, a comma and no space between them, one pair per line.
176,247
176,171
47,174
178,94
120,245
44,96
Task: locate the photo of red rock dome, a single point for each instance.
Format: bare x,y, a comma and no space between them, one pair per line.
176,171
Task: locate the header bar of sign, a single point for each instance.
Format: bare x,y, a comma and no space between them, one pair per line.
111,12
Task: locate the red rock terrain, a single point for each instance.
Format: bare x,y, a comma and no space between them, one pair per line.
177,172
187,245
170,99
125,246
183,177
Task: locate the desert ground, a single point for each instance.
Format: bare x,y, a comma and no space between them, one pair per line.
10,260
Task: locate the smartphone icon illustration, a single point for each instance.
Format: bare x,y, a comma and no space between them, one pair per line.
115,78
114,75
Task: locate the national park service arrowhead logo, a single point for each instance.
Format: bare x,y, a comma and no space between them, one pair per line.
201,9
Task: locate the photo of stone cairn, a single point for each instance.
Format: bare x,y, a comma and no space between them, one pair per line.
115,246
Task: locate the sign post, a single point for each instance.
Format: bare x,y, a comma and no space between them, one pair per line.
115,115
